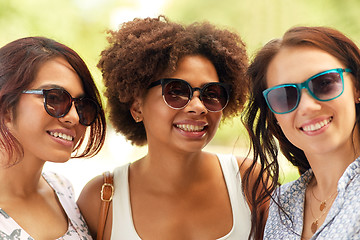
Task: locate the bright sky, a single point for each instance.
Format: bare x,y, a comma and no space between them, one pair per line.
143,8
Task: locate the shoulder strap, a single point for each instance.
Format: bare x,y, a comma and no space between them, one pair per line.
107,192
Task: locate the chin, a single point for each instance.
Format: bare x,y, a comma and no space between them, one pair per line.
59,158
195,147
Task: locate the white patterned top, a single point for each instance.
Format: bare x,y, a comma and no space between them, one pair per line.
10,230
342,221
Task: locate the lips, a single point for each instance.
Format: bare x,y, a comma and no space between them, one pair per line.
316,126
190,127
61,135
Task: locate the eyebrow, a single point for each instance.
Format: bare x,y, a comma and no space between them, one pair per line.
49,86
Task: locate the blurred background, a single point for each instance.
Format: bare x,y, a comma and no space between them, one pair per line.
82,25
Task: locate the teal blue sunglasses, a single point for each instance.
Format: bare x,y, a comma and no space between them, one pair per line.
324,86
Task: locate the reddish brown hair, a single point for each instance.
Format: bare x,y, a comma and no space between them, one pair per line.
19,63
260,121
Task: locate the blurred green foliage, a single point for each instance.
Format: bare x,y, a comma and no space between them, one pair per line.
258,21
82,25
67,21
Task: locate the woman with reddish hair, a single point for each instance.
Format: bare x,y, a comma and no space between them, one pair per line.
49,109
304,99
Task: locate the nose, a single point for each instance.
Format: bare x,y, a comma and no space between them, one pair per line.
196,105
307,103
72,117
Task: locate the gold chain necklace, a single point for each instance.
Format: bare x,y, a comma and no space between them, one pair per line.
322,203
315,223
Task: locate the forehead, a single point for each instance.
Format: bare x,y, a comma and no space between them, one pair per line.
296,64
58,72
195,67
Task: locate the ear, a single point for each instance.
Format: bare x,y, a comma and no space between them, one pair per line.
136,110
357,96
9,118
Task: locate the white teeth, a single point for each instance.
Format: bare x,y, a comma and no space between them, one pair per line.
62,136
317,126
190,128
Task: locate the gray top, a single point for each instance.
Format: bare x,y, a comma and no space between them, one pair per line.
342,221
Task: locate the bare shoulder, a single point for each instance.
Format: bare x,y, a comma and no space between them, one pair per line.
89,202
245,164
252,179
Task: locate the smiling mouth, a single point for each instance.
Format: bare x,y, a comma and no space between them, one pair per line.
191,128
62,136
316,126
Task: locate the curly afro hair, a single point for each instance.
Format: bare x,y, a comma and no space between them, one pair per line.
142,49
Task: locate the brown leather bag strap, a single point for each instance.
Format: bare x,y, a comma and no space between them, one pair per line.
107,192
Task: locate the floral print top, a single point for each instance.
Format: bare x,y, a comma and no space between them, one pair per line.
342,221
10,230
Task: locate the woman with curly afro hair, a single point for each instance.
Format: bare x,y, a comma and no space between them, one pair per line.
168,86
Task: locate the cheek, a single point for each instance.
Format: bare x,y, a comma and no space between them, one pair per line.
217,118
285,121
80,132
214,120
155,109
30,114
157,119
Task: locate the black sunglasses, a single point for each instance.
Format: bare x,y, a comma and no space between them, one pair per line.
58,102
324,86
177,93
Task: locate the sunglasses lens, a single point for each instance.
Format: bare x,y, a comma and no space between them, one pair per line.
58,102
176,94
326,86
214,97
283,99
87,110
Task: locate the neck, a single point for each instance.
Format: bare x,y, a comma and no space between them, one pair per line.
174,171
322,193
332,164
21,179
173,159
